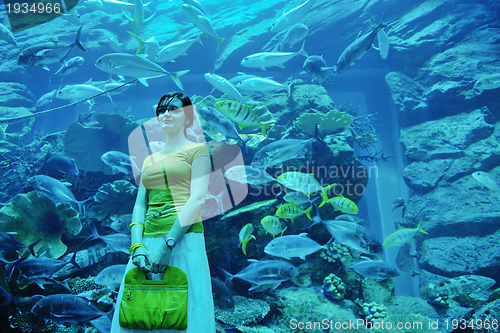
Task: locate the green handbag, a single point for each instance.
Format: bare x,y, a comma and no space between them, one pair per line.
155,305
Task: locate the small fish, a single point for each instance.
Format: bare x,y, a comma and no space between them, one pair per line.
119,162
66,308
316,67
277,152
111,276
242,114
295,246
223,85
201,21
375,269
175,49
223,299
69,67
123,64
260,85
295,34
48,53
403,235
220,124
300,182
42,266
115,45
291,211
246,174
6,35
357,49
352,235
343,204
264,272
488,82
245,236
55,191
298,197
78,92
264,60
63,165
47,98
120,224
292,16
399,202
486,180
272,225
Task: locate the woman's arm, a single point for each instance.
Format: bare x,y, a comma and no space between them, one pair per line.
200,175
140,253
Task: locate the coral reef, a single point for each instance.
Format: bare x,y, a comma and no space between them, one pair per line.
327,123
374,312
340,253
114,199
246,311
33,217
333,287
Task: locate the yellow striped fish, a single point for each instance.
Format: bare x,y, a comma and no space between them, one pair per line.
246,236
291,211
242,114
344,205
272,225
403,235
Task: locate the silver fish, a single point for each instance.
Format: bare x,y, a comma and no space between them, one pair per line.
223,299
69,67
55,191
66,308
111,276
121,224
119,162
264,272
352,235
374,269
277,152
220,124
294,246
48,53
269,59
123,64
357,49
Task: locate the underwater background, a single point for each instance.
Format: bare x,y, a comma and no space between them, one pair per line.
402,176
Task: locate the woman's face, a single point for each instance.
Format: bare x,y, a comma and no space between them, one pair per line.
173,119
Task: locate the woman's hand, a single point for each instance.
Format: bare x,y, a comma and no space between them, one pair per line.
140,259
160,259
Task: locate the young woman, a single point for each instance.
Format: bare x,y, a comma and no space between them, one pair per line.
166,226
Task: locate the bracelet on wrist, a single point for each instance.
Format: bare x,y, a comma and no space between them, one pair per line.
135,246
137,255
133,223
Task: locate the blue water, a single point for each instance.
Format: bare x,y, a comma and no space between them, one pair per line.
433,44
